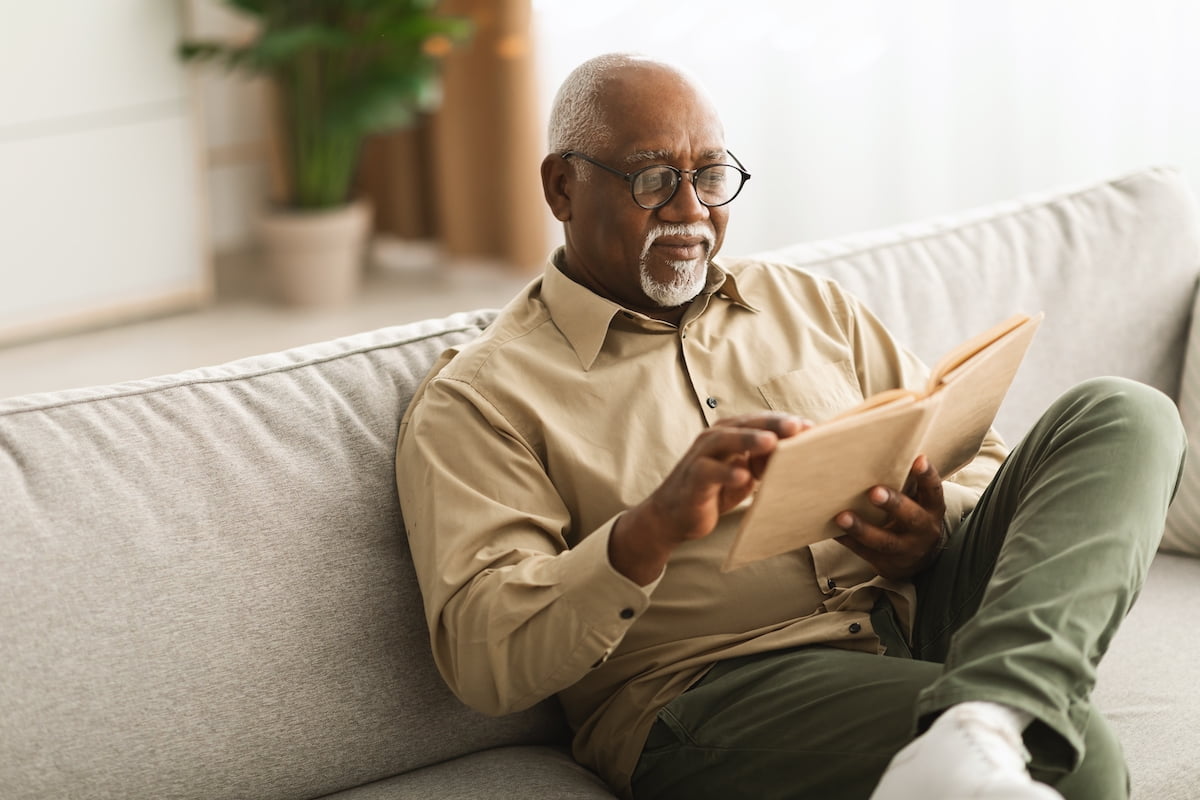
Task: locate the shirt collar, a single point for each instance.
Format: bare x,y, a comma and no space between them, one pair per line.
584,317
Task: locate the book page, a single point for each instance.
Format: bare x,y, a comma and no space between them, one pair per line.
960,354
881,399
970,396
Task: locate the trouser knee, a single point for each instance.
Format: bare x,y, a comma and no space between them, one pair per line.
1136,404
1135,419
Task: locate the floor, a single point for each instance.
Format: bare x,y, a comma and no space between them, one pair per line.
245,321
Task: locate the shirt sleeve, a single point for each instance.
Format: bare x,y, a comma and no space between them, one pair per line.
515,614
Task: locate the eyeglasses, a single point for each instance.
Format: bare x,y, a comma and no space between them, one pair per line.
654,186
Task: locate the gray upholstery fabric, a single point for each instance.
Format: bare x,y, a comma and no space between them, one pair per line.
507,773
206,591
1147,685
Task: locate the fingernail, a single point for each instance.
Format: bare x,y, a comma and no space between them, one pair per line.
879,495
844,521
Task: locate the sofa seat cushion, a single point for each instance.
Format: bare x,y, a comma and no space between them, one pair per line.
504,773
1147,682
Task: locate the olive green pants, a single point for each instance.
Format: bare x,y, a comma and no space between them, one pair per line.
1019,609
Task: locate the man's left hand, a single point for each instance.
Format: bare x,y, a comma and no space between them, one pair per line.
910,539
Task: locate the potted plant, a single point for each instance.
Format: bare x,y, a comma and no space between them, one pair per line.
342,69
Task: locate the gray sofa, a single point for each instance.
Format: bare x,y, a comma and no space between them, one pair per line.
205,590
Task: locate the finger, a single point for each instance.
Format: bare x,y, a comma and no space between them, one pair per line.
856,547
727,484
713,475
904,511
862,537
727,442
929,491
782,425
758,464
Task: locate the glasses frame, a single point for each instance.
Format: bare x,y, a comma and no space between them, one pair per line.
629,178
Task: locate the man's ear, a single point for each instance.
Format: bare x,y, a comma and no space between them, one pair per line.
554,186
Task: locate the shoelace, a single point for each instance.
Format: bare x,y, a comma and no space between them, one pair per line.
970,726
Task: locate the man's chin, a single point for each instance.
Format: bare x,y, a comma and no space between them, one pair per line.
686,283
673,271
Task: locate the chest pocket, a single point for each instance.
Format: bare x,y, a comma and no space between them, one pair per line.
816,393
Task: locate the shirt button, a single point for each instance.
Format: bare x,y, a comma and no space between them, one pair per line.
831,583
712,402
855,627
626,613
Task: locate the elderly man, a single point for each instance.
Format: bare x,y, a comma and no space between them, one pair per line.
571,481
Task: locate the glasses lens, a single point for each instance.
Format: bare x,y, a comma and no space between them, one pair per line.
717,184
654,186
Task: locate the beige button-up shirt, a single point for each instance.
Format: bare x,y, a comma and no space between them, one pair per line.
517,455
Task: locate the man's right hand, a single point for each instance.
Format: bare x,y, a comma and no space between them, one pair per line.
720,470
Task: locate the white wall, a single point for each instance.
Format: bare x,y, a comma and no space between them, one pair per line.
850,115
854,115
100,214
234,119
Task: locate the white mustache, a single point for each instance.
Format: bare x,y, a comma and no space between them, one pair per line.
691,231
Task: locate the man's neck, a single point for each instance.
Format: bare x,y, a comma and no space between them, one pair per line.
672,315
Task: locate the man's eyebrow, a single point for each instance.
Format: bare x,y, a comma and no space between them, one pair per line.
665,156
648,156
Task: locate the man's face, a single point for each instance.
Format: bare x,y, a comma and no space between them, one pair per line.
647,260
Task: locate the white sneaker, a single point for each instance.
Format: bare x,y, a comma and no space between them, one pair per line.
965,755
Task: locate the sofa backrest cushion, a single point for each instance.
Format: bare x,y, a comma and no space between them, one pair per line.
1114,265
205,589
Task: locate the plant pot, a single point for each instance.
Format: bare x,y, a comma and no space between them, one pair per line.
315,258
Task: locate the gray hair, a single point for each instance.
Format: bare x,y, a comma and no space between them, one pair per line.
576,121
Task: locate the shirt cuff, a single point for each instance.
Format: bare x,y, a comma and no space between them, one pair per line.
604,599
960,500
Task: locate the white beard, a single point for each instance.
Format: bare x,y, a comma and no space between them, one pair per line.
688,278
683,287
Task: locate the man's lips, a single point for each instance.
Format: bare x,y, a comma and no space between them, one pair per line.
681,249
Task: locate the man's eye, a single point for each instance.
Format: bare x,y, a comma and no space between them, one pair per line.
654,180
712,178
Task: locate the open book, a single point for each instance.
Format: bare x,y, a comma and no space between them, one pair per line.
813,476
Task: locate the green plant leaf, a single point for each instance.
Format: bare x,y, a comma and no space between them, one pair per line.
256,7
202,51
344,69
382,100
279,47
228,55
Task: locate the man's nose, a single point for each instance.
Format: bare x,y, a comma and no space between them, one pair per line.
685,206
